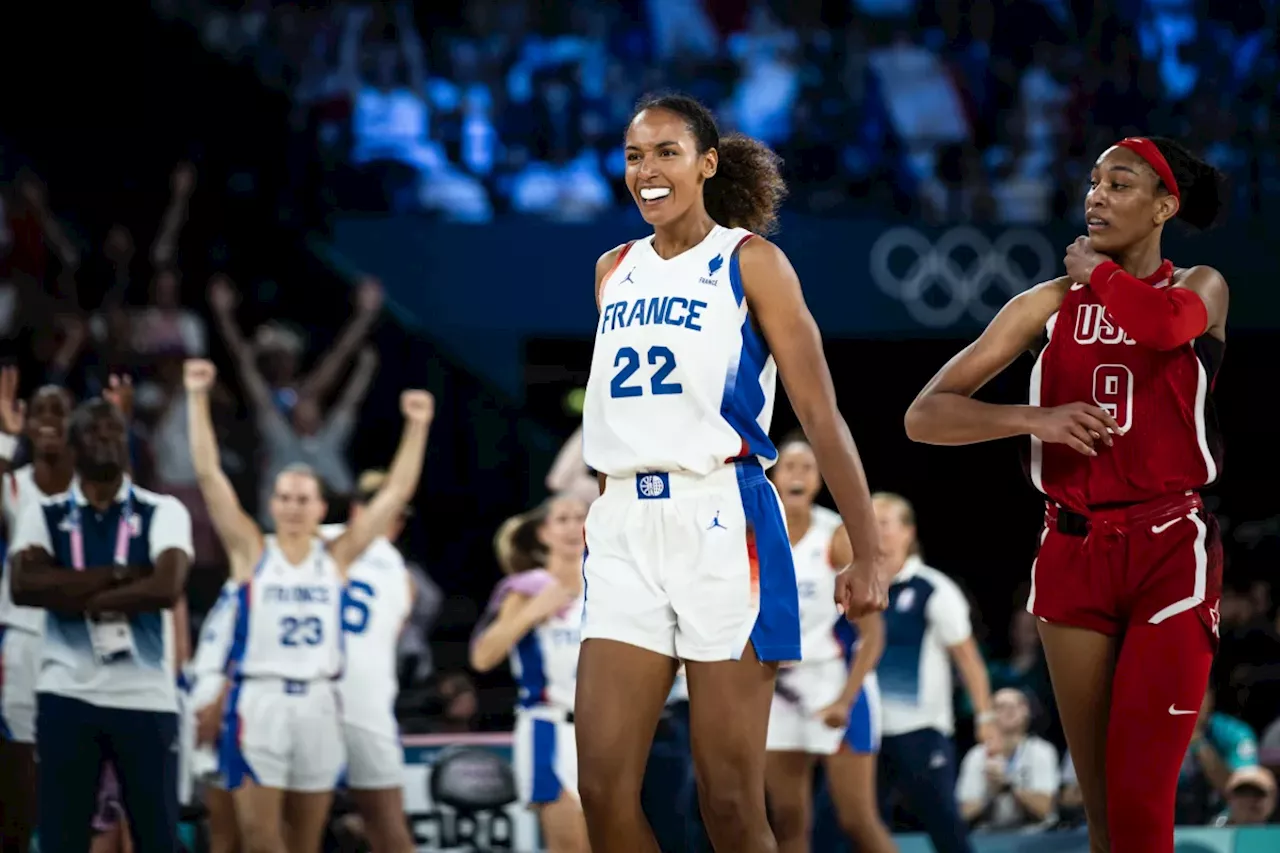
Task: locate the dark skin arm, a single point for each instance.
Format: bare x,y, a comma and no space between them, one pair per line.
157,590
774,296
945,413
39,582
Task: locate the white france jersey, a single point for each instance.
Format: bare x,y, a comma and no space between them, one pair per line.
816,582
375,605
680,379
545,661
288,618
207,669
19,489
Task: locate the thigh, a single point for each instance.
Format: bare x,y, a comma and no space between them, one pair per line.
224,830
254,745
621,692
17,794
1177,566
260,813
625,598
1072,584
317,749
70,758
19,666
306,814
1082,668
729,705
851,783
375,759
731,577
564,829
143,747
788,784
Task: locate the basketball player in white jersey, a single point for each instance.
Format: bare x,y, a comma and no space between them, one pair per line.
207,677
826,706
21,628
281,748
688,557
379,595
534,619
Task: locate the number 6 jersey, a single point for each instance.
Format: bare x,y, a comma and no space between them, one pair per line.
680,379
1161,400
288,622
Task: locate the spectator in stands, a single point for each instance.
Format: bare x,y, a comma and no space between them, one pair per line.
1013,786
927,629
1220,746
107,564
1025,668
1251,798
307,434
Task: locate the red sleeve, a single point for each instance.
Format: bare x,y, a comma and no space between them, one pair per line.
1160,318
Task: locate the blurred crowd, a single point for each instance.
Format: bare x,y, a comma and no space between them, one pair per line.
81,316
979,110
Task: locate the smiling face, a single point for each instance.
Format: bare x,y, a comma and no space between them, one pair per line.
796,476
665,170
47,421
1125,202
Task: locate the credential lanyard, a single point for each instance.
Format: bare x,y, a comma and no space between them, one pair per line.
76,533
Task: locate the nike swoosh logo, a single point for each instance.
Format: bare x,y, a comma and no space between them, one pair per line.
1161,528
1176,712
1077,286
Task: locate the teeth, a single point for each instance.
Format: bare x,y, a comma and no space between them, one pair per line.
651,193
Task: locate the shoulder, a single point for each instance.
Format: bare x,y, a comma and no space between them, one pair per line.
828,519
944,588
161,504
1199,276
1038,747
1042,299
759,253
606,263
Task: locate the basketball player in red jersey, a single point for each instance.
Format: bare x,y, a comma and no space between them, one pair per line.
1127,579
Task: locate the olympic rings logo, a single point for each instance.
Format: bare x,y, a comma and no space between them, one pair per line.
943,282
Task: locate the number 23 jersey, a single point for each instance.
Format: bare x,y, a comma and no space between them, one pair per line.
288,618
1160,399
680,378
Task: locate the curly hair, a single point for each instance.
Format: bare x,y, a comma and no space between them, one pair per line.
1201,186
747,188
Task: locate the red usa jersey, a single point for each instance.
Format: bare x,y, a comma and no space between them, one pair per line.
1161,401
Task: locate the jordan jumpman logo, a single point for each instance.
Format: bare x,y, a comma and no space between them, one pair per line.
715,522
629,278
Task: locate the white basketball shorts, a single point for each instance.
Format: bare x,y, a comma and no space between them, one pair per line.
545,754
282,734
19,666
802,692
692,567
375,758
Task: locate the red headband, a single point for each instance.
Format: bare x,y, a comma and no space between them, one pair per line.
1147,150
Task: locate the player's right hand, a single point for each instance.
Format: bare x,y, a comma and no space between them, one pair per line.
198,374
859,590
1078,425
13,411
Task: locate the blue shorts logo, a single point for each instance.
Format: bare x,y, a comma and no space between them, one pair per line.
655,486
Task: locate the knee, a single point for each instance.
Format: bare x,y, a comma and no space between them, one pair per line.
789,818
605,791
728,801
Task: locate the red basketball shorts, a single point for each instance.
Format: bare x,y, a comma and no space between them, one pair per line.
1144,562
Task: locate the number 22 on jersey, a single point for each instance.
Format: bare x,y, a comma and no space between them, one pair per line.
627,361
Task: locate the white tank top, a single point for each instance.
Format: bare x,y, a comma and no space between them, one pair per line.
19,489
545,662
816,581
375,604
680,379
288,620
